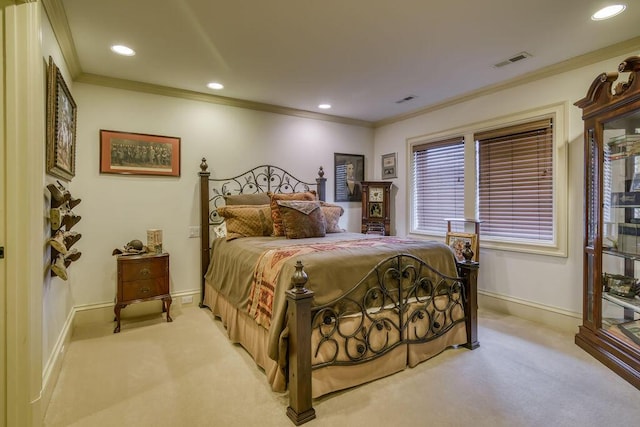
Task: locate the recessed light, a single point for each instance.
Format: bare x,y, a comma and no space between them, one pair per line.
215,86
123,50
608,12
324,106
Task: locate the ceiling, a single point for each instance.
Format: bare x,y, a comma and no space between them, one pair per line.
360,56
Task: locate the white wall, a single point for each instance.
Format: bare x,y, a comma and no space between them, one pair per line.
540,281
118,208
57,303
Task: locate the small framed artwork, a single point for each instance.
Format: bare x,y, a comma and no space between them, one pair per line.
375,210
457,241
349,173
139,154
389,163
61,126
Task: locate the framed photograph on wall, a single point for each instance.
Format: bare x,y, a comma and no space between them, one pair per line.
139,154
349,173
457,241
389,165
61,126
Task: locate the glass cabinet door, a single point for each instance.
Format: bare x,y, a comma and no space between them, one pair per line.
619,315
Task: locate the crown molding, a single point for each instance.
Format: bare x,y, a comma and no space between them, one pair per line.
576,62
136,86
60,25
58,19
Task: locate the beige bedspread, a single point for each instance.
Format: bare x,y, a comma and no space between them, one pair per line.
333,268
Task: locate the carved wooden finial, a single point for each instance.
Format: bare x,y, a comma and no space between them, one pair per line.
321,172
204,166
467,252
299,278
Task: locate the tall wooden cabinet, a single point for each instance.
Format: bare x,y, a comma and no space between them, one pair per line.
610,329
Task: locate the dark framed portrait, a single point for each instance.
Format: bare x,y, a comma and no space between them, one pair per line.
349,173
139,154
61,126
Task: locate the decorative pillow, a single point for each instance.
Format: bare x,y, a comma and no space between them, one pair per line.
278,228
247,199
332,214
247,220
302,219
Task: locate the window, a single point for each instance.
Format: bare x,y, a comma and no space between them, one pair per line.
516,182
438,184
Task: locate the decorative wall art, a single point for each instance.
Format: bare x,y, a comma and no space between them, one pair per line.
349,173
139,154
456,242
389,164
61,126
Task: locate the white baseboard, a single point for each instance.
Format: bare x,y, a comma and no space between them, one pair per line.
52,368
103,312
553,317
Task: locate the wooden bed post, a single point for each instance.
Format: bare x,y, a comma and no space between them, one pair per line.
204,225
321,183
468,271
299,299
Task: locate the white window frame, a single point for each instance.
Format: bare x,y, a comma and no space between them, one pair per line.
558,112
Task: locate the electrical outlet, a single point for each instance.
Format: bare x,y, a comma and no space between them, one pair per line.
187,299
194,231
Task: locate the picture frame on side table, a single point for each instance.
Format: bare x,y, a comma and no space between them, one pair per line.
456,241
61,126
349,173
389,166
139,154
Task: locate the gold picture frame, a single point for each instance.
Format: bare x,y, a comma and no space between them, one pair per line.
129,153
456,241
61,126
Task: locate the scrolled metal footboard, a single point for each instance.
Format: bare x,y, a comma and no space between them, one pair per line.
401,301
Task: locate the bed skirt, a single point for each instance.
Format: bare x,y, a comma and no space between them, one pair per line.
243,330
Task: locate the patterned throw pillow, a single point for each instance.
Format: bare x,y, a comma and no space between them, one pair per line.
278,228
247,199
332,214
302,219
247,220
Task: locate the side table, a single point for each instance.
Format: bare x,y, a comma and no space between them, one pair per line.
142,278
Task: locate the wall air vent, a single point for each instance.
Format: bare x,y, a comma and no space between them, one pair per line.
515,58
406,98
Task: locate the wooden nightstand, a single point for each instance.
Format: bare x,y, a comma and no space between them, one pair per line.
142,278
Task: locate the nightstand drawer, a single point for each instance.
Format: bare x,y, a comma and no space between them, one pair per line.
141,289
143,269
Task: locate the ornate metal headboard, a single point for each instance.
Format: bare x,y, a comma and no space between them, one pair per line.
260,179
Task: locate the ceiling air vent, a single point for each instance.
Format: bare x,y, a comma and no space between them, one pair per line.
515,58
406,98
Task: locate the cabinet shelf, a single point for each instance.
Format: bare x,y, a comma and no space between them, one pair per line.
630,303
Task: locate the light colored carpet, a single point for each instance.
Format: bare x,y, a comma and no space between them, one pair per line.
186,373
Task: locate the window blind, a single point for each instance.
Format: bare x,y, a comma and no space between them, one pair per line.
515,181
438,184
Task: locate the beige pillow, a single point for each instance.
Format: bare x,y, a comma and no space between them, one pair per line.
302,219
247,199
247,220
278,228
332,214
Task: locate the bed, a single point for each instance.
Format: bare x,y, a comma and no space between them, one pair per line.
317,308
